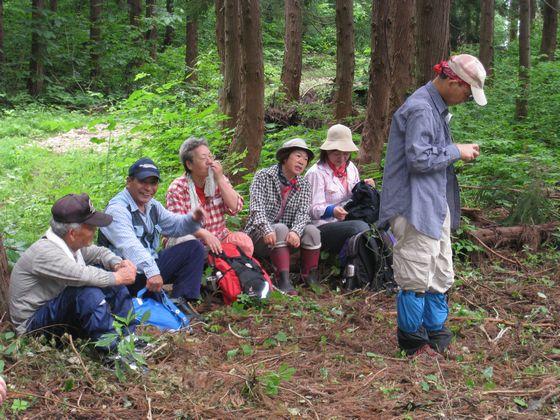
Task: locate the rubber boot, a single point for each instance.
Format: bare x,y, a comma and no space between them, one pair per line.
282,282
309,263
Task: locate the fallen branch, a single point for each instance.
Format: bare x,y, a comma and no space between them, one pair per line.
490,250
84,368
532,235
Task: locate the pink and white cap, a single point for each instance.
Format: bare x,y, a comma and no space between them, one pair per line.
471,70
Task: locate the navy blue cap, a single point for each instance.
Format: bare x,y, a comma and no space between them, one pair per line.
143,168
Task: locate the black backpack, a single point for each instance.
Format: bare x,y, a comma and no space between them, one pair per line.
367,258
364,203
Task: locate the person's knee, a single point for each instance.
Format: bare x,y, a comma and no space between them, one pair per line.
311,237
435,311
89,299
281,231
410,310
358,226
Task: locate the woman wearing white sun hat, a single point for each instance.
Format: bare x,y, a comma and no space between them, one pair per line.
332,180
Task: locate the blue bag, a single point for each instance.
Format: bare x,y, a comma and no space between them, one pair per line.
163,313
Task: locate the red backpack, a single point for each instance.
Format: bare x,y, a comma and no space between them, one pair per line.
237,273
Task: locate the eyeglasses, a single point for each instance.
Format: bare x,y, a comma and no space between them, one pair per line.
206,157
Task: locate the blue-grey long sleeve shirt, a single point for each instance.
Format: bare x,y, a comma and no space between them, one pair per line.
419,181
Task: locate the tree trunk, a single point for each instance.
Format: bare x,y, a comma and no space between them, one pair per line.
36,81
550,29
390,72
513,19
4,283
191,54
95,36
231,93
220,35
291,68
169,30
521,105
516,236
432,40
250,125
2,56
486,54
134,12
344,58
53,5
533,10
151,33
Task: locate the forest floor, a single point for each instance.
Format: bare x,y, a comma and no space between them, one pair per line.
324,354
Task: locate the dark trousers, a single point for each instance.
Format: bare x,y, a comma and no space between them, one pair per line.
334,234
84,312
181,265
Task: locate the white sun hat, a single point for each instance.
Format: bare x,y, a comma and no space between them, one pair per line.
471,70
339,137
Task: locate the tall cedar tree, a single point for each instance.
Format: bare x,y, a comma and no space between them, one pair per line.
231,92
344,58
134,12
2,56
390,73
521,104
191,53
250,123
36,80
95,7
151,33
486,52
432,37
4,281
220,35
550,29
291,69
513,16
169,30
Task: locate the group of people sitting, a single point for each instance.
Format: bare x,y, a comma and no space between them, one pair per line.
64,283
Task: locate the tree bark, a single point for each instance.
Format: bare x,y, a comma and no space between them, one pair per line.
533,10
220,34
291,68
513,19
36,81
53,5
95,36
134,12
344,58
151,33
521,105
432,40
2,55
516,236
550,29
231,93
4,283
390,73
191,54
169,30
250,125
486,53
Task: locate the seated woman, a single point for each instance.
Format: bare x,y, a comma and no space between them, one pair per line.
332,180
279,215
205,185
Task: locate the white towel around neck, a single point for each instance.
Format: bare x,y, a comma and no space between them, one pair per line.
76,257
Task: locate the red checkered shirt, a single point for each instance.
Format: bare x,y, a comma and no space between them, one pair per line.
178,201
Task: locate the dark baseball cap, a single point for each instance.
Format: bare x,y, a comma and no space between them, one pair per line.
78,208
143,168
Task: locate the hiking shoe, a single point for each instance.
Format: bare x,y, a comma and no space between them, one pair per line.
311,279
284,284
187,308
426,353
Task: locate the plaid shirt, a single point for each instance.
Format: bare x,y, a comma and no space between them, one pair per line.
178,201
266,203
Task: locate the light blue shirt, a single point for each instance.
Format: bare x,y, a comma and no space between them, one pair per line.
419,181
126,241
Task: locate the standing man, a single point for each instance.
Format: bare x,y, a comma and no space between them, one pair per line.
135,234
420,200
56,285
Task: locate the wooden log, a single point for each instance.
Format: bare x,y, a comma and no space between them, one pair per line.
4,282
516,236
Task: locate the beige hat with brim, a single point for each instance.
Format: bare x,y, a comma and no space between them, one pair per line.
471,70
296,144
339,137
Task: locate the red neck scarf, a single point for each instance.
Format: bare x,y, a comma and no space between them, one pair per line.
443,68
338,172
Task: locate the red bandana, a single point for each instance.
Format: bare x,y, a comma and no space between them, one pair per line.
338,172
443,68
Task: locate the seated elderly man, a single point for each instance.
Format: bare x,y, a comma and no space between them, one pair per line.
204,185
56,286
135,234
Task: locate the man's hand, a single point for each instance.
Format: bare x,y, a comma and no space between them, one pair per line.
270,239
211,241
125,273
292,239
468,151
339,213
154,283
198,215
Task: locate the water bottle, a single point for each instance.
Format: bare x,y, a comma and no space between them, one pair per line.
349,280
